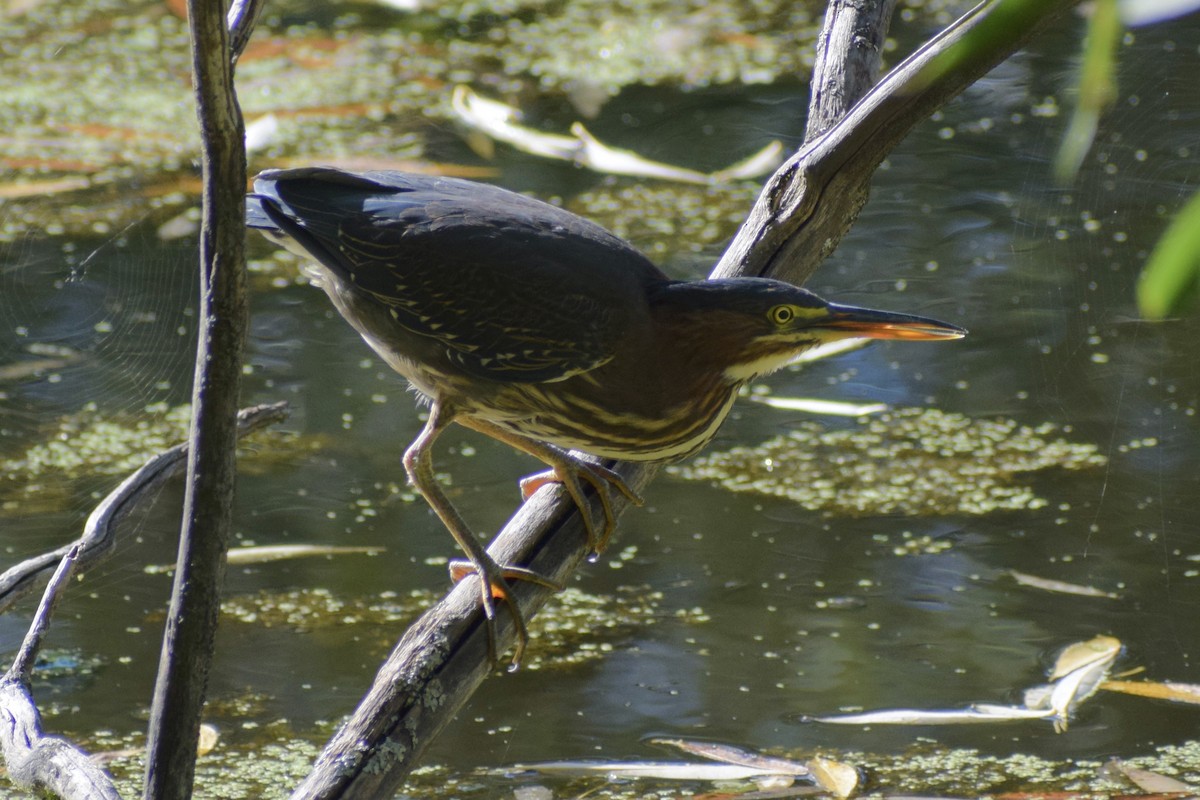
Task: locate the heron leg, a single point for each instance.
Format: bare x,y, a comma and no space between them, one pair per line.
494,578
571,472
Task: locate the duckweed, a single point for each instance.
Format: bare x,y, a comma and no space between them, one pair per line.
97,106
574,627
909,461
669,218
272,767
89,443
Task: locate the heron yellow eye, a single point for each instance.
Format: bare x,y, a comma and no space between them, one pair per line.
781,315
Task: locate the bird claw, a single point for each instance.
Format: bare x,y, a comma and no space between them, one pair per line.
494,585
601,479
461,568
531,483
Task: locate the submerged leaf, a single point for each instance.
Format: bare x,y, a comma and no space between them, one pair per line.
731,754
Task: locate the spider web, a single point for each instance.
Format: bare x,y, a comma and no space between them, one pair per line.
91,328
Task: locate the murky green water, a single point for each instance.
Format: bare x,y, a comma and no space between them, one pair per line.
768,611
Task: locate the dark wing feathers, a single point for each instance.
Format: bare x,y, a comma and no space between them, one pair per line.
514,289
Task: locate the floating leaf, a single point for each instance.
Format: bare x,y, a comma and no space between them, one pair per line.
811,405
239,556
978,712
752,166
1098,651
665,770
1166,690
501,122
209,736
1079,670
596,155
835,777
1050,585
262,133
731,754
71,183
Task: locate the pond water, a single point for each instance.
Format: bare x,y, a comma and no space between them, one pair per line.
768,611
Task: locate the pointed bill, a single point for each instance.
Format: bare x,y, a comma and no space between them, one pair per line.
868,323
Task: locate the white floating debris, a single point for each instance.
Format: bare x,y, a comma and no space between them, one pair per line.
501,122
812,405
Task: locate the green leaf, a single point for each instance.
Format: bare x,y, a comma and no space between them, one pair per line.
1171,278
1097,88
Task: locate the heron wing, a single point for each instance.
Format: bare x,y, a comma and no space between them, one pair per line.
511,288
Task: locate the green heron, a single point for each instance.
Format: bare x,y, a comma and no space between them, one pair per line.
540,329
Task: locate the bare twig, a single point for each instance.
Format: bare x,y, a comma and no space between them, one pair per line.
100,533
22,666
208,502
35,760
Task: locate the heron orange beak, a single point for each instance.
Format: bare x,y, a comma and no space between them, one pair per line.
847,322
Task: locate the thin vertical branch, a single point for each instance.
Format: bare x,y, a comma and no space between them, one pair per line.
207,515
